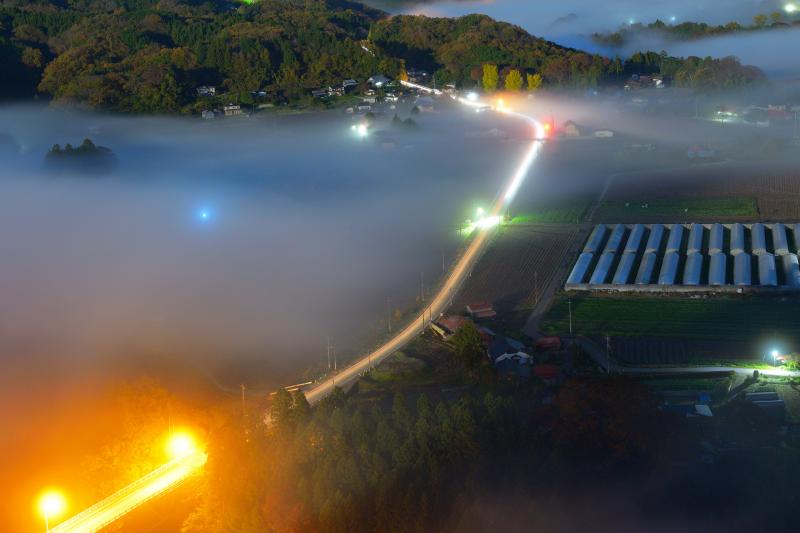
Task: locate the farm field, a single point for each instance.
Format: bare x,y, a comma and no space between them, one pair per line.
517,266
564,212
673,331
680,208
717,193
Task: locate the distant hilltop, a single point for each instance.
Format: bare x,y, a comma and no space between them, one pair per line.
88,157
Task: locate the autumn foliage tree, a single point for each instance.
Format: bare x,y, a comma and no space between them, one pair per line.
534,82
490,78
513,81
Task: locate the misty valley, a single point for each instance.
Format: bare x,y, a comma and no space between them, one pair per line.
412,265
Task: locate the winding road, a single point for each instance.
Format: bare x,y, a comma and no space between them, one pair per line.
460,271
174,473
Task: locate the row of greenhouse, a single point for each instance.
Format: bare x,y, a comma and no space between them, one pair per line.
688,257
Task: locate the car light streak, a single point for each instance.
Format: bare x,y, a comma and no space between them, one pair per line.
137,493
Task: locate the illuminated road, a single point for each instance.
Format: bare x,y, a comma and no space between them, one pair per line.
174,473
137,493
460,271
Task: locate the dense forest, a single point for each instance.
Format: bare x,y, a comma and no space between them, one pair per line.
151,56
412,464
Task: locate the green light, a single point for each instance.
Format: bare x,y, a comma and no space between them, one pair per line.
481,223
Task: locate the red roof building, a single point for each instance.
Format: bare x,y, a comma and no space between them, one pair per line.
481,310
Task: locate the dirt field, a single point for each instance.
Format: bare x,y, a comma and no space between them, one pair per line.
517,266
717,193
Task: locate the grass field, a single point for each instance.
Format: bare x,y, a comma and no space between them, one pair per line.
728,319
571,212
697,207
422,364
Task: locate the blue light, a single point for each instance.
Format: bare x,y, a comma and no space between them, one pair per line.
204,214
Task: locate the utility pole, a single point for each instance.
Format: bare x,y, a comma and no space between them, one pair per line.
569,305
797,126
422,286
242,387
334,358
329,353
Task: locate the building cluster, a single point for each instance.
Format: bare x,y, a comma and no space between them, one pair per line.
509,356
689,258
347,86
229,110
637,82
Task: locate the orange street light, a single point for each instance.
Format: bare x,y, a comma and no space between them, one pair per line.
180,444
51,504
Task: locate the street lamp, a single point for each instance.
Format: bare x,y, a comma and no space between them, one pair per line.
51,504
180,444
775,355
790,8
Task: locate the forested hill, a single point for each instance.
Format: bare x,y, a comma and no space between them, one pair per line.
460,46
151,56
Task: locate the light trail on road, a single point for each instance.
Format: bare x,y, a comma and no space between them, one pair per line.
137,493
461,270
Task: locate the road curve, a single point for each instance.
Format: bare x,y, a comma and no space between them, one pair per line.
460,272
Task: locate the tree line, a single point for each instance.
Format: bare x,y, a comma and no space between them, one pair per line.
409,464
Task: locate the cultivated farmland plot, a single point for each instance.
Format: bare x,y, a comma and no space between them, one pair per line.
519,263
702,194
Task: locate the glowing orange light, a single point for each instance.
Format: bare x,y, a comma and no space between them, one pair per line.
180,444
51,504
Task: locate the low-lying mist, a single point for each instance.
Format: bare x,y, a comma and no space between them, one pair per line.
585,16
216,253
229,251
572,23
226,246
